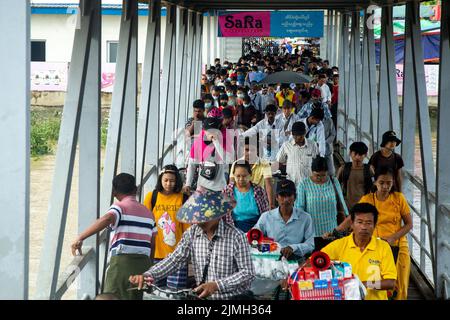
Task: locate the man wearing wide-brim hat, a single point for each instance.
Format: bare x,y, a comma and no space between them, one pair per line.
387,157
220,253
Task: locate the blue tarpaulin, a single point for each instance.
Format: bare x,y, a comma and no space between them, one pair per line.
430,44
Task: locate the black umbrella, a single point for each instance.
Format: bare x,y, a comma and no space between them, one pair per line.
286,77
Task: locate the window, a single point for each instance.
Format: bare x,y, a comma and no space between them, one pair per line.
112,51
38,50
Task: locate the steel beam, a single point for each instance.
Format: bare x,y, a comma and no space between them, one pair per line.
128,133
389,116
191,59
442,283
168,80
65,156
198,60
344,73
116,119
15,141
355,58
89,155
148,120
365,111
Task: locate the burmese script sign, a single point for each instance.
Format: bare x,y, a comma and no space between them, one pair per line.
308,24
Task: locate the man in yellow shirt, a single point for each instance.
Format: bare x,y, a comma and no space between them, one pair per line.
370,257
284,94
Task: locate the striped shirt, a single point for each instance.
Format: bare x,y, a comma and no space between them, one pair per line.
298,159
133,229
319,200
230,264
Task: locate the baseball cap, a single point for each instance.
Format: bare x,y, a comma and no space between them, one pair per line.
286,186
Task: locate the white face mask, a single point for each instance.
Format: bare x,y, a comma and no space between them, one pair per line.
208,105
240,95
246,105
216,97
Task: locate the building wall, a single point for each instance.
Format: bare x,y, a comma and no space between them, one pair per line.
58,31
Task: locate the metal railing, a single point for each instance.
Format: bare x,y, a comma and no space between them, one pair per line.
424,225
75,267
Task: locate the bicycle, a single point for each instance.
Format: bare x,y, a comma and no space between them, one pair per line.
156,293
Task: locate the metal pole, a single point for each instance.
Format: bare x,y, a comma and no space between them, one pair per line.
65,156
442,236
148,121
168,79
15,141
89,155
128,133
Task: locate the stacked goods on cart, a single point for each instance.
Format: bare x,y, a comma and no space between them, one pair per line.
270,266
322,279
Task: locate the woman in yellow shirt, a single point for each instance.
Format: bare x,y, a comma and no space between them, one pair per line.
165,201
393,210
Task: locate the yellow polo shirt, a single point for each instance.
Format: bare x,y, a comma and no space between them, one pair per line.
260,171
376,262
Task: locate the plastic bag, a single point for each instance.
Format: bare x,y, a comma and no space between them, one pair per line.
354,289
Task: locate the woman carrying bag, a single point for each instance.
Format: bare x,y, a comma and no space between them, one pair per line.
321,196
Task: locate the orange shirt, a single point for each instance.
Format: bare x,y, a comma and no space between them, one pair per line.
170,229
390,213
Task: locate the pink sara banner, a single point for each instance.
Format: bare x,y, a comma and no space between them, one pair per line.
244,24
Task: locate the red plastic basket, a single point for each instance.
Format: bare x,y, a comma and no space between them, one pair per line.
314,294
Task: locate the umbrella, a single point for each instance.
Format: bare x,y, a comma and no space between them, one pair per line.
286,77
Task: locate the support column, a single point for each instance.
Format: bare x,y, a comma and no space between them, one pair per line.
191,59
365,111
149,111
199,57
116,115
442,280
353,93
15,141
181,104
128,133
389,116
65,156
343,87
168,82
89,155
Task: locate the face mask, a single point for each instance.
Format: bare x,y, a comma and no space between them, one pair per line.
246,105
208,105
240,95
230,104
216,97
230,94
228,79
225,66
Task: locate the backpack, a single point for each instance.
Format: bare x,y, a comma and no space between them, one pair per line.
368,183
155,196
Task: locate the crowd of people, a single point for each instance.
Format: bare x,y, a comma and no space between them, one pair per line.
261,156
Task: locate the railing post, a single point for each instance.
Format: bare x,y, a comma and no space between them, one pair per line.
149,111
168,80
388,116
343,87
442,266
15,142
65,156
128,131
89,155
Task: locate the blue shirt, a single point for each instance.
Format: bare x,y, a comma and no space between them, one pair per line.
297,232
246,207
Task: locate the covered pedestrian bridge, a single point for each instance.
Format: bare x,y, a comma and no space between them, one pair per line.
144,135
